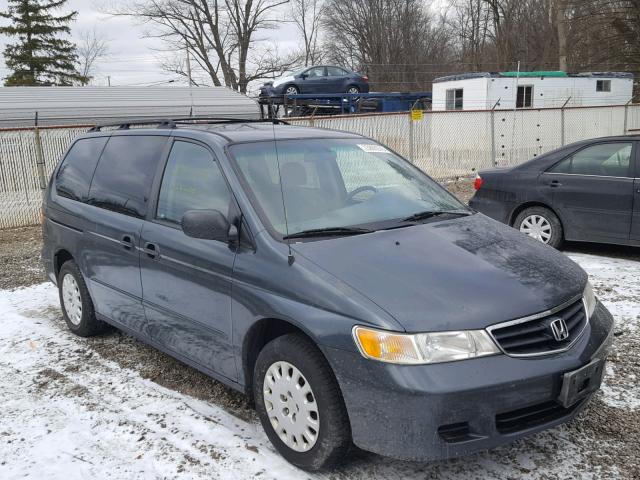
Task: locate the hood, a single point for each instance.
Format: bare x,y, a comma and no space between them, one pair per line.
279,81
464,273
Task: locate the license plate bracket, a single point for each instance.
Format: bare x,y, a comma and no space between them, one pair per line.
580,383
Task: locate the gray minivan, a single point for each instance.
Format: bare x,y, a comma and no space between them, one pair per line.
349,295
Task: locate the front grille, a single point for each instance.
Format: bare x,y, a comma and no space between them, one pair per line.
531,417
534,336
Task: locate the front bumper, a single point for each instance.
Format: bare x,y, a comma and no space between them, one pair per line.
445,410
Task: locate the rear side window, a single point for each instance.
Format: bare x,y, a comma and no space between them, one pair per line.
192,180
605,160
124,175
74,175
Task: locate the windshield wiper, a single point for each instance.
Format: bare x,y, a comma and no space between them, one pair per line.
323,232
416,217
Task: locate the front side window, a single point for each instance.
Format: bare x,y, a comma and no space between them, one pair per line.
123,177
455,99
335,183
192,180
74,176
606,159
315,72
525,96
603,85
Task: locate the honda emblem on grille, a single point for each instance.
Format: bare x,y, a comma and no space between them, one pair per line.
559,329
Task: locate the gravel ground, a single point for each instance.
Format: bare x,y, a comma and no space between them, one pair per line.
606,437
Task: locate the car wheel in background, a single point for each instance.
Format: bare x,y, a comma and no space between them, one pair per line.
77,307
353,89
542,224
291,90
299,403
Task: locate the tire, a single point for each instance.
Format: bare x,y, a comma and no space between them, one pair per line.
291,90
333,431
542,224
73,292
353,89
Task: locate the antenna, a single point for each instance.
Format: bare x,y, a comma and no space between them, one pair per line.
290,258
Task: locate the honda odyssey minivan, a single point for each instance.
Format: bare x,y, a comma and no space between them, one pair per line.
349,295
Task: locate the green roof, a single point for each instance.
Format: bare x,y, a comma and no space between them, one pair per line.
553,73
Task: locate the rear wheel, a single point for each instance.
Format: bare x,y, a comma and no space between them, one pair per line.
542,224
353,89
77,307
299,403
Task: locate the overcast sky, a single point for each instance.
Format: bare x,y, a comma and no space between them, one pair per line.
133,58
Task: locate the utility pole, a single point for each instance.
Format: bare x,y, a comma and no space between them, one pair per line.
190,80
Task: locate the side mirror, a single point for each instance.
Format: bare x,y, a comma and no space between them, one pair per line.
303,75
208,225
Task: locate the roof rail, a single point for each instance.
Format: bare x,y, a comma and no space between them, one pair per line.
173,122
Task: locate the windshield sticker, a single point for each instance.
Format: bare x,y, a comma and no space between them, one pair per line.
373,148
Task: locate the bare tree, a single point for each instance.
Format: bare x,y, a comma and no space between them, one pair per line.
92,47
220,34
307,16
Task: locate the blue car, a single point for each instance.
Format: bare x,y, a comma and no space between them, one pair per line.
317,79
349,295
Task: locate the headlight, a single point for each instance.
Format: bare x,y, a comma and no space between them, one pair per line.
423,348
589,299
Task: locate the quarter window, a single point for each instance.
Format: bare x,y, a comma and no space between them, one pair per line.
525,96
74,176
124,175
454,99
603,85
192,181
607,159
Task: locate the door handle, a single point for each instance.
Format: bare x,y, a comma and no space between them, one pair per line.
151,249
555,183
127,242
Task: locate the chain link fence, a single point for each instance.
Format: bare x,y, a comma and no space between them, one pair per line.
446,145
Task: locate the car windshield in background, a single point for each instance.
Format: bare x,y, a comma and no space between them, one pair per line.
335,184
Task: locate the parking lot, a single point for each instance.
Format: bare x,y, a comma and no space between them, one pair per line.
111,407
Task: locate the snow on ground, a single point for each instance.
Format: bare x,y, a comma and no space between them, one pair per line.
67,412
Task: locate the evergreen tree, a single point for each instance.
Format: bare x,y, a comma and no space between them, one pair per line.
39,56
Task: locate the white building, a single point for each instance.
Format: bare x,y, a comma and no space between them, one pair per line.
508,90
89,105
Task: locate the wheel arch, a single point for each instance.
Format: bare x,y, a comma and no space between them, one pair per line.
520,208
61,256
259,334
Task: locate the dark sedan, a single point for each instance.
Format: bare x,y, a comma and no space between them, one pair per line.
317,79
588,191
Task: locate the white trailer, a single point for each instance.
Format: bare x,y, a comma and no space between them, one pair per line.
509,90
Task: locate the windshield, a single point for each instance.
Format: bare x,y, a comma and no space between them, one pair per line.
336,183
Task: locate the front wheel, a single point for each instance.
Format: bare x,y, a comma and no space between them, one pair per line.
291,90
299,403
542,224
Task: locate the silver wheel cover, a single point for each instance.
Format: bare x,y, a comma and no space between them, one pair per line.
538,227
352,90
71,299
291,406
291,91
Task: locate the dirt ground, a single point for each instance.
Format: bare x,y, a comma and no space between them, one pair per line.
617,426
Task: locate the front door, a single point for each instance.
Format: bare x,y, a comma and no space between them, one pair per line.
593,191
635,222
315,81
187,281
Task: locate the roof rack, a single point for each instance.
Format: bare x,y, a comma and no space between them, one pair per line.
173,122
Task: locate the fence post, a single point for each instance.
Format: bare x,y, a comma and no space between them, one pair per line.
493,134
411,147
562,122
39,157
625,128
